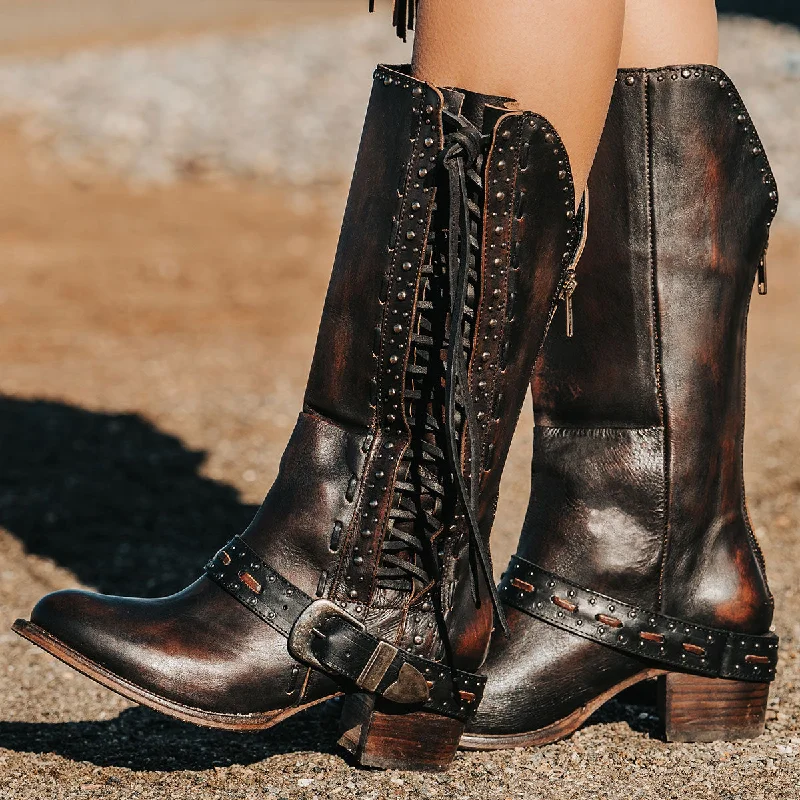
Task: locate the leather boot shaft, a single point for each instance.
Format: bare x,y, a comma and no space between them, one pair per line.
637,476
371,445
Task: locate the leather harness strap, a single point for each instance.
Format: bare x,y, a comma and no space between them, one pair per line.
323,635
669,641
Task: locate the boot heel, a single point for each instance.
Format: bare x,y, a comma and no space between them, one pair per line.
697,709
379,736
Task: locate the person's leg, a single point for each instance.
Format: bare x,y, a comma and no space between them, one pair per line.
555,58
660,33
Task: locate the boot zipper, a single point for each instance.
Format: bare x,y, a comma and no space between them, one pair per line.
569,289
571,282
762,273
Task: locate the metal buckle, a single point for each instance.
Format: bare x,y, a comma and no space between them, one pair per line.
410,685
305,627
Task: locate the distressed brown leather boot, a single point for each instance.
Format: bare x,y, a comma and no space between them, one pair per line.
366,571
637,557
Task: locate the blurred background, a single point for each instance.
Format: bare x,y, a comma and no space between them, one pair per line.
172,178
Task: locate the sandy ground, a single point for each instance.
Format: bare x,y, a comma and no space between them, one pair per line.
48,27
154,348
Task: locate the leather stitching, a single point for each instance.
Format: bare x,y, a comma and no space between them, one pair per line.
637,631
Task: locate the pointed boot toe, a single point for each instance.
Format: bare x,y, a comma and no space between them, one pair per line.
194,655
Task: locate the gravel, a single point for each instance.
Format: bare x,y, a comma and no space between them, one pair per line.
286,105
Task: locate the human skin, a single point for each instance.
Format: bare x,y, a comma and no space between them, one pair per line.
661,33
559,58
556,58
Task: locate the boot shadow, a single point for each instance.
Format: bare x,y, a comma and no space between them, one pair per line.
110,497
143,741
636,706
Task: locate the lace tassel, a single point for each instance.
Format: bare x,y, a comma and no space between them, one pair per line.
403,17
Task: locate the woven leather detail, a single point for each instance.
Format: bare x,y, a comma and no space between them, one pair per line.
667,641
338,643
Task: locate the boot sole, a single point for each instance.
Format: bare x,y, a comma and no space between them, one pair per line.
692,709
207,719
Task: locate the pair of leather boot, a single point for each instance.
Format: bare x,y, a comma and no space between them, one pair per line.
366,572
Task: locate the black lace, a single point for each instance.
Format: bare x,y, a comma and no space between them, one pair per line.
439,407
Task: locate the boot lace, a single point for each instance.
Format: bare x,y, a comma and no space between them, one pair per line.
438,404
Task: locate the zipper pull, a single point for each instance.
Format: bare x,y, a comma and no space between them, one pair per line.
762,274
569,289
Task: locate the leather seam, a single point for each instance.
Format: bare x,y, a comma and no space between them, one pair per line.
657,345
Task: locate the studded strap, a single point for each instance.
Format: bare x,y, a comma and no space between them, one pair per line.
325,636
636,631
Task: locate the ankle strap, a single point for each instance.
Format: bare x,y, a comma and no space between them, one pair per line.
670,641
323,635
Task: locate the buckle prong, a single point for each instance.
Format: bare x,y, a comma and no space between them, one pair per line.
305,627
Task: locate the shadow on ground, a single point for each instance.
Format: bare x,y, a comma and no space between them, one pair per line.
637,707
110,497
144,741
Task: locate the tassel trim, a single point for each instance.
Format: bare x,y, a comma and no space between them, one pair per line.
403,16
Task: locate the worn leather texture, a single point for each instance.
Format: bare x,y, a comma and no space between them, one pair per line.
326,521
637,485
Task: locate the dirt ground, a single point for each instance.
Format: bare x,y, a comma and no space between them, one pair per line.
153,352
53,26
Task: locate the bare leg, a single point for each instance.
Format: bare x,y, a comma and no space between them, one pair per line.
556,58
660,33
